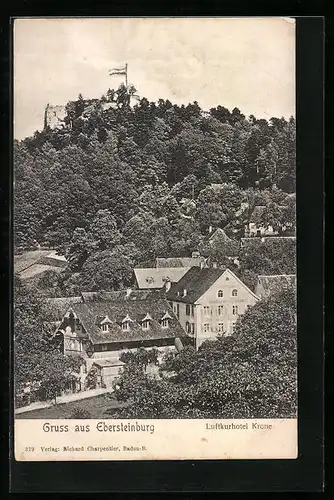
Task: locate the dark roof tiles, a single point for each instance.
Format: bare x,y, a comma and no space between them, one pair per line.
195,282
93,311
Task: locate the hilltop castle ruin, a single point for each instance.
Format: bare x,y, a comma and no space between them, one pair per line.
54,116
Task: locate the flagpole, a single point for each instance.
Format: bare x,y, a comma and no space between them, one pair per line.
126,75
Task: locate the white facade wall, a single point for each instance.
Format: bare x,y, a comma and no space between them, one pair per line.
214,315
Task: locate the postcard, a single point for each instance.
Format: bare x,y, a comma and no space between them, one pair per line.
154,214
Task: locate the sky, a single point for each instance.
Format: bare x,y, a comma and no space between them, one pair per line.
247,63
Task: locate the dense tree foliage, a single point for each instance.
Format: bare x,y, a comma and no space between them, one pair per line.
118,185
251,374
39,364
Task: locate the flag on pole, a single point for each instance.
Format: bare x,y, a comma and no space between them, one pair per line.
117,71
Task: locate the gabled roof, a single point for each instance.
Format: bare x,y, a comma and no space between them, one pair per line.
173,262
116,307
107,363
153,278
148,317
196,282
270,284
230,246
219,232
127,319
59,306
105,320
166,316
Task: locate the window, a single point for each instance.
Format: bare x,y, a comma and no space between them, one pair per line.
220,327
207,311
187,327
104,347
105,327
192,310
192,328
220,310
178,310
145,325
220,293
188,310
164,323
234,309
207,327
125,326
234,292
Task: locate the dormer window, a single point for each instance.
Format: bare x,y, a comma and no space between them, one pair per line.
105,324
165,320
220,293
126,323
146,322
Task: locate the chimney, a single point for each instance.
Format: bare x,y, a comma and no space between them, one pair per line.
214,265
168,284
184,292
128,292
210,229
195,255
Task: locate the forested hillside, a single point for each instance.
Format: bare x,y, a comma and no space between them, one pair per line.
118,185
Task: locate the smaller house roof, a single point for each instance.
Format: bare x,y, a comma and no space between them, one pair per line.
230,246
106,363
54,255
153,278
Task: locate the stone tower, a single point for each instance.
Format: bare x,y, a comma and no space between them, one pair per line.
54,116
